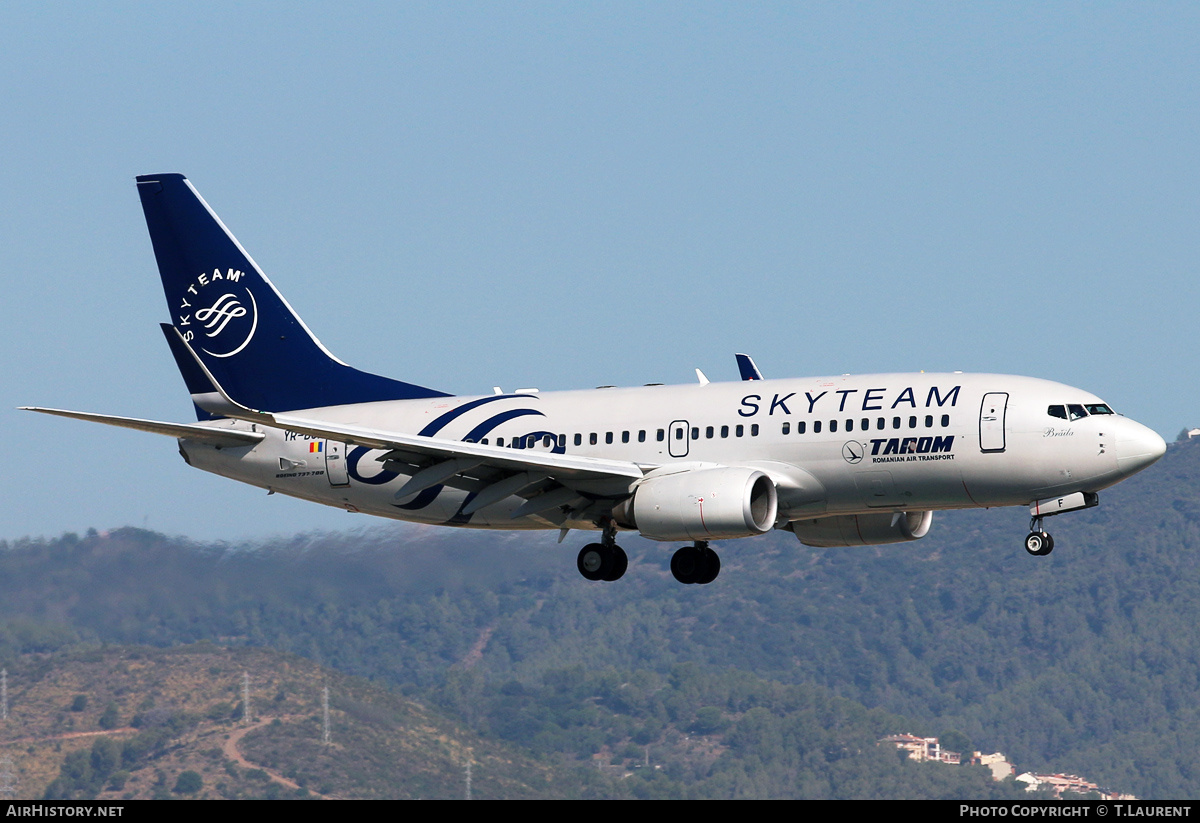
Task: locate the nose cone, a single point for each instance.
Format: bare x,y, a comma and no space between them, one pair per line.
1137,447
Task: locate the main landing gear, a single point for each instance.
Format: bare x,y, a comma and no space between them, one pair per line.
1038,542
696,564
604,560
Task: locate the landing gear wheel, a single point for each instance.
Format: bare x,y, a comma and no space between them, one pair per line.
597,561
683,564
592,561
620,562
695,564
712,566
1039,543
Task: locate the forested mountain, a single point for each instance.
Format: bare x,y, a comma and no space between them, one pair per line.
1084,661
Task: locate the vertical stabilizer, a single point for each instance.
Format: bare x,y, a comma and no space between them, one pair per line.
242,329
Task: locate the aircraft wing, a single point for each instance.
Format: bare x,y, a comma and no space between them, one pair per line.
434,448
546,480
218,437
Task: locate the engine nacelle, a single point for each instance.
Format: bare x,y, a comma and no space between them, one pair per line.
704,504
863,529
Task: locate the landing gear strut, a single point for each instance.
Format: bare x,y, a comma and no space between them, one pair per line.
604,560
1038,542
696,564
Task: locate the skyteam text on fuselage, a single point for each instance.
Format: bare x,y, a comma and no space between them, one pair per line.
838,461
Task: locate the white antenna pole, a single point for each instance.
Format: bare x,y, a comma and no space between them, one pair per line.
245,697
8,778
325,712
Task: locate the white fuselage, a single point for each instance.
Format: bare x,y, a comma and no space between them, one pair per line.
832,445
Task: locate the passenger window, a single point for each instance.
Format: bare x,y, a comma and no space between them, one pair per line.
816,427
895,422
912,422
849,425
1057,411
592,439
679,434
880,424
499,441
1076,412
624,437
929,421
641,435
739,430
724,431
800,427
547,440
695,432
832,425
709,432
562,441
484,441
608,438
945,420
754,430
578,439
866,423
661,435
787,428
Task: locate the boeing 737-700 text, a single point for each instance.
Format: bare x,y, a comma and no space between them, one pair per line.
838,461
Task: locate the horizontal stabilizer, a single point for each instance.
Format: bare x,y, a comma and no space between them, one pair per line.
191,431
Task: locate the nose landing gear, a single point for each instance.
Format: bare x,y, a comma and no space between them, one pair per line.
696,564
1038,542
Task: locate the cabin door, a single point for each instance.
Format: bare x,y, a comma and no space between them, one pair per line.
678,438
991,421
335,463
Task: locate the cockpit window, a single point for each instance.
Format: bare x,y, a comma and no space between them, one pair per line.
1075,411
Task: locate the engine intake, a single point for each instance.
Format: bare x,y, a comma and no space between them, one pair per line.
704,504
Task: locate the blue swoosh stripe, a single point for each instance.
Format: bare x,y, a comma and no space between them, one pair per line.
480,431
421,500
443,420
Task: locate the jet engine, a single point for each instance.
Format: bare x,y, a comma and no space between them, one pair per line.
862,529
702,504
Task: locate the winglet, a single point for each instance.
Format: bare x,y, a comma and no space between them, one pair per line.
747,367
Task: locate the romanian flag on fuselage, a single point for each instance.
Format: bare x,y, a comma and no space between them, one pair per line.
315,446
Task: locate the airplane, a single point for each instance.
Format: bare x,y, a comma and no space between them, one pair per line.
849,460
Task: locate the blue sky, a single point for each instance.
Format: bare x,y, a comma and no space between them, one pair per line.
570,195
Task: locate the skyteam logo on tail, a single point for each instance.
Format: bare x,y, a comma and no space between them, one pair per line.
219,312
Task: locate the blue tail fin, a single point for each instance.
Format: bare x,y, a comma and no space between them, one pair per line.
248,337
